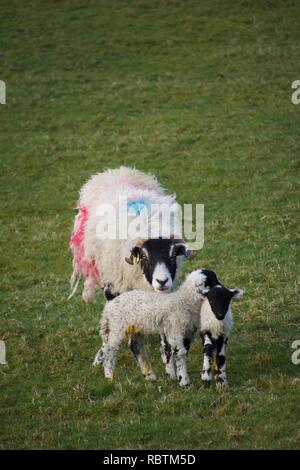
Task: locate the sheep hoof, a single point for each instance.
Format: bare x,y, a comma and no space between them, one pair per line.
206,383
151,377
170,371
172,376
97,360
221,385
185,383
111,378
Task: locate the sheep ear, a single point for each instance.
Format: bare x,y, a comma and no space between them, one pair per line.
133,259
134,256
182,250
237,293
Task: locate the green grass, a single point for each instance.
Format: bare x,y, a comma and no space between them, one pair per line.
198,93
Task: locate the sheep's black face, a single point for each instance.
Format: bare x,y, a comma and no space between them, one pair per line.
158,259
219,299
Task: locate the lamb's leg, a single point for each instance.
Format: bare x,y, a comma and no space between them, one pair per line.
208,350
167,357
221,378
137,345
179,353
107,356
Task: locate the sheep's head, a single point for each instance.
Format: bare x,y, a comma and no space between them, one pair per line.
159,260
210,288
219,298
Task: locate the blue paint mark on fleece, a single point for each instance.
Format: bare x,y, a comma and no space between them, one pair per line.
136,207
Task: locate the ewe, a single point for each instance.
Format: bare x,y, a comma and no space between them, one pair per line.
118,265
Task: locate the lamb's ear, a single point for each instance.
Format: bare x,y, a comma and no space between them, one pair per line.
237,293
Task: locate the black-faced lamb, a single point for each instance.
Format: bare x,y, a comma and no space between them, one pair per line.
215,327
175,316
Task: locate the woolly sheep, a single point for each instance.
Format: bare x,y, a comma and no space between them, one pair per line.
215,327
120,265
175,316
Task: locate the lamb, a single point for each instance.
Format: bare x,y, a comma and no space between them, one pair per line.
215,326
175,316
118,264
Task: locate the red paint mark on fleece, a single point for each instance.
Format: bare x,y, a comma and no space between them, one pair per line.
82,265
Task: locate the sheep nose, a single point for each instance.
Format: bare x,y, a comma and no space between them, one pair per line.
162,283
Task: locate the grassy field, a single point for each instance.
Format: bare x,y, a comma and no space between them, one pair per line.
198,93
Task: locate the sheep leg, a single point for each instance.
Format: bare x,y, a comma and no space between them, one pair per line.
208,350
179,353
89,290
167,357
137,346
221,378
107,356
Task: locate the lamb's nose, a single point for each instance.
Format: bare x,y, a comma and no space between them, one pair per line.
162,283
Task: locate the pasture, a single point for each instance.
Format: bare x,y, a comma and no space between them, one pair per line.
198,93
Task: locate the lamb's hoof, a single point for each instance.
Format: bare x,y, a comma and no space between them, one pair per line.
206,383
97,360
171,373
184,382
111,378
172,377
151,377
221,385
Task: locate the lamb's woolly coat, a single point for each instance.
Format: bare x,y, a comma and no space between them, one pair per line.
174,314
102,260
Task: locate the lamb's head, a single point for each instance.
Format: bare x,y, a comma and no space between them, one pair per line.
202,280
160,260
219,298
209,287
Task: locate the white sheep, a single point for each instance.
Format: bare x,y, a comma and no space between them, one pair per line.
175,316
215,327
121,264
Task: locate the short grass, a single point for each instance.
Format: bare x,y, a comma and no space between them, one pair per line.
198,93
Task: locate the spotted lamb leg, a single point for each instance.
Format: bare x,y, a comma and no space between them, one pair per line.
221,378
208,350
107,356
179,353
137,346
167,357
